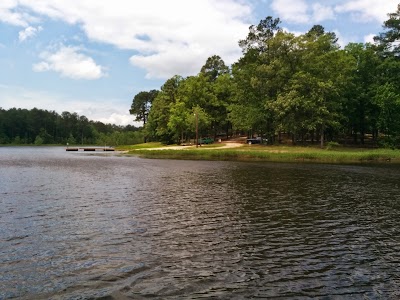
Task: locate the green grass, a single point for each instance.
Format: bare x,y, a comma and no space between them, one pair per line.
278,154
140,146
160,145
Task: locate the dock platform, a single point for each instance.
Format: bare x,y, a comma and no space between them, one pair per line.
89,149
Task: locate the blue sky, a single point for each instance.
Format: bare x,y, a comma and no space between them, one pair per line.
93,56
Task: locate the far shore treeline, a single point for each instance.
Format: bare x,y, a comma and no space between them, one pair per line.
304,88
37,126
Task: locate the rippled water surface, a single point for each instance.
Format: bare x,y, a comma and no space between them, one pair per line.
87,226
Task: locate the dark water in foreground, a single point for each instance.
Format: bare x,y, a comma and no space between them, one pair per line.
81,226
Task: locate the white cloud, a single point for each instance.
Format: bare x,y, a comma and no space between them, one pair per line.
305,12
28,99
106,111
369,38
156,28
368,10
120,119
291,11
342,40
296,33
322,13
28,32
8,14
159,64
301,12
69,63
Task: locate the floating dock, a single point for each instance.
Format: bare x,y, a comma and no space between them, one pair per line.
89,149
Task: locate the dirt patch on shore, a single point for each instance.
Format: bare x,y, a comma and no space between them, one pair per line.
226,145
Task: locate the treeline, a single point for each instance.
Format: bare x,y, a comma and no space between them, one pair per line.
37,126
304,87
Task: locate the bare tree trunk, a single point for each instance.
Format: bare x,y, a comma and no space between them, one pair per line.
322,137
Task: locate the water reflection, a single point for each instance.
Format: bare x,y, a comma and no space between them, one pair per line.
91,226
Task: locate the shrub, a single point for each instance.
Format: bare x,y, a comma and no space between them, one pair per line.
331,145
38,140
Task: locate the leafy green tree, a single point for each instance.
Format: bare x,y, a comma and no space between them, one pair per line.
203,120
330,68
38,140
312,99
17,140
223,90
244,117
250,83
71,140
246,110
360,110
388,71
259,35
197,91
297,109
260,75
159,114
45,137
22,126
389,39
303,85
178,121
141,105
219,76
388,100
214,67
388,74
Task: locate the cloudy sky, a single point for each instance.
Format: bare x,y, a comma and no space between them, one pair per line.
93,56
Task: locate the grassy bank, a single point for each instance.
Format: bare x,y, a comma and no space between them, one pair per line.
156,145
274,154
140,146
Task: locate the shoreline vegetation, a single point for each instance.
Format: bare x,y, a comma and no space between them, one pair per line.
261,153
285,87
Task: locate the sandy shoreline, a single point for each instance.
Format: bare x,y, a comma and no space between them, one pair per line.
226,145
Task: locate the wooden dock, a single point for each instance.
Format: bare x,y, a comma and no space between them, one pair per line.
89,149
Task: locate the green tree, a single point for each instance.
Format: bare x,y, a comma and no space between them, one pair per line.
312,99
223,91
388,100
389,39
38,140
297,109
260,75
219,76
361,111
214,67
71,140
258,38
141,105
159,114
197,91
45,137
178,120
203,120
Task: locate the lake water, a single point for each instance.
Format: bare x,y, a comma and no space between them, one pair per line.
98,225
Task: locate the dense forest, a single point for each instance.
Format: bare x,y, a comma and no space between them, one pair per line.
37,126
305,88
